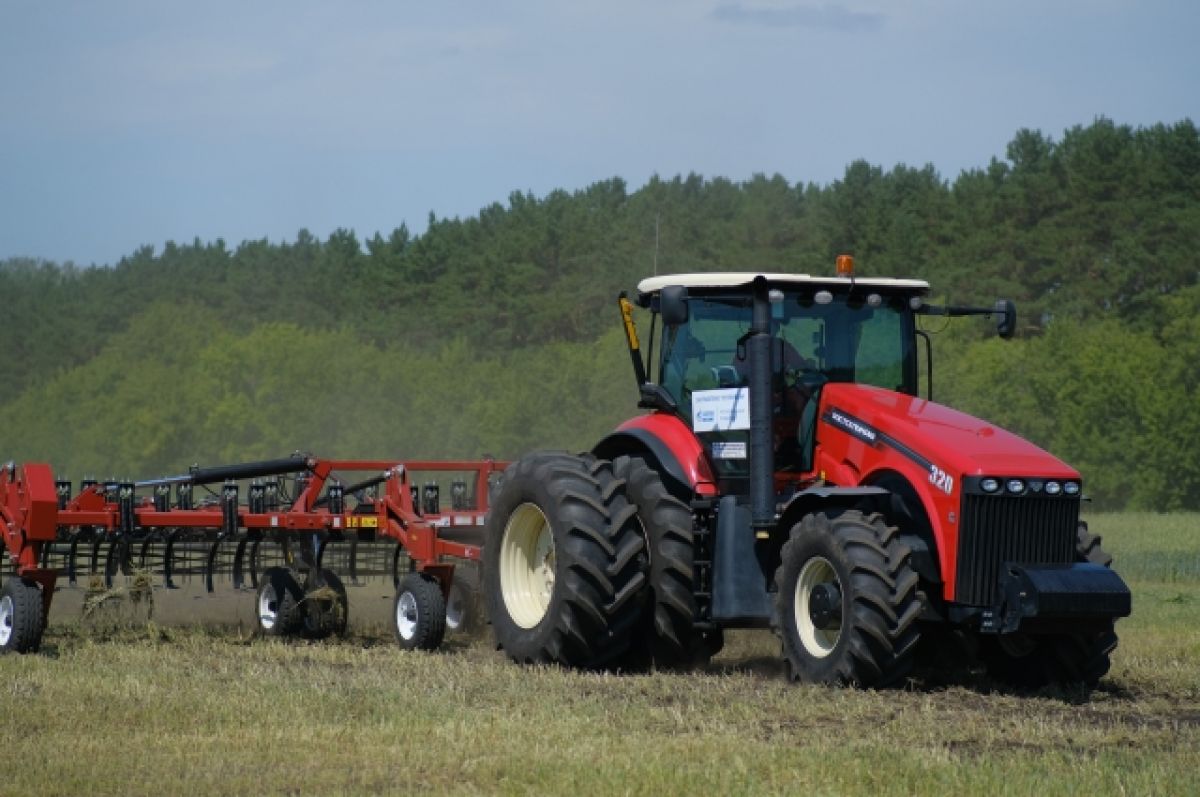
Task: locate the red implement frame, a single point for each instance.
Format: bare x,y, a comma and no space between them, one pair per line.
31,515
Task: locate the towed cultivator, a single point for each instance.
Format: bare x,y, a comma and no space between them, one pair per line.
290,529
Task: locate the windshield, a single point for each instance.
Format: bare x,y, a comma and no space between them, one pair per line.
848,339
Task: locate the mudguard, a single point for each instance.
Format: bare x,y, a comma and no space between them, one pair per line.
676,453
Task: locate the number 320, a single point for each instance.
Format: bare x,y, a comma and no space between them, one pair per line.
941,480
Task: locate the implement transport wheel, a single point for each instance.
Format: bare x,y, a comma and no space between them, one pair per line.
22,616
419,613
326,609
847,604
563,562
665,636
464,610
278,603
1032,661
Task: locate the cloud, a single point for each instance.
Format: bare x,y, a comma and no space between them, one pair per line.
828,16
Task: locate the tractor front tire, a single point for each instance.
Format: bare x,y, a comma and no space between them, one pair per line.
1033,661
419,613
563,562
22,616
847,601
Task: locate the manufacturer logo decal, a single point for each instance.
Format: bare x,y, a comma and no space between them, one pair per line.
853,426
861,430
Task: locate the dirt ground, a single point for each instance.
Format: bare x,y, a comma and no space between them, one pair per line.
370,605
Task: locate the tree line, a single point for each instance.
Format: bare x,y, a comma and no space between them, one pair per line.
498,333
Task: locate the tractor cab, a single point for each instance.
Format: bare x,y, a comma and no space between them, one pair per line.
821,330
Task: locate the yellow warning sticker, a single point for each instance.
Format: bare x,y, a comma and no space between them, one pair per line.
362,522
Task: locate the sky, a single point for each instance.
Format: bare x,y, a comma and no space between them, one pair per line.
135,122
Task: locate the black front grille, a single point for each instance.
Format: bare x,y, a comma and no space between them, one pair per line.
1026,529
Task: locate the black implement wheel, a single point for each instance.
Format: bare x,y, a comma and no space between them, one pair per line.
419,613
22,616
326,609
666,635
464,607
564,562
1032,661
847,603
278,603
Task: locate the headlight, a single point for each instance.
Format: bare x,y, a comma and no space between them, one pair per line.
1053,488
1071,488
1016,486
989,485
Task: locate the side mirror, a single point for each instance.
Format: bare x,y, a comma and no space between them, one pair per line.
1007,323
672,303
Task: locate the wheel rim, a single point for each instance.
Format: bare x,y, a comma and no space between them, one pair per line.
6,619
406,615
527,565
455,610
268,607
819,642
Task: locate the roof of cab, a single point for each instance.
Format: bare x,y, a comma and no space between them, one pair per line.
733,279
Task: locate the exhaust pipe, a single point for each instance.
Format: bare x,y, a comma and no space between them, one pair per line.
762,453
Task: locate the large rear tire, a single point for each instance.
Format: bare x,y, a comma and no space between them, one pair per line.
22,616
666,636
563,562
847,601
1033,661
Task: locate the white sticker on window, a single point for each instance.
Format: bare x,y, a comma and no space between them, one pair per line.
729,450
723,410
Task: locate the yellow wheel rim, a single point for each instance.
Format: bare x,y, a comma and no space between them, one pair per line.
527,565
818,642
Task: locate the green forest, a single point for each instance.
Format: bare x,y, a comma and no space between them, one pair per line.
499,333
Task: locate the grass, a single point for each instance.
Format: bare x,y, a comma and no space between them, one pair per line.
154,710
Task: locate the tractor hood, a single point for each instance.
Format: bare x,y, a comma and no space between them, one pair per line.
936,434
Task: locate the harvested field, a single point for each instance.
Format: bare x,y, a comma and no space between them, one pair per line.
154,708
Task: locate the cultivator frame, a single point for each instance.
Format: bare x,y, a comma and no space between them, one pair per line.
301,503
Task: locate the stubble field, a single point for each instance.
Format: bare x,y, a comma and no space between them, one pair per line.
207,708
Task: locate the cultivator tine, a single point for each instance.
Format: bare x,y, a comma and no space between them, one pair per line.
254,562
117,561
188,555
168,559
72,552
96,546
152,557
352,565
144,561
237,562
210,565
320,558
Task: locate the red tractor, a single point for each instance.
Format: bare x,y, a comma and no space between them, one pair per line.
789,474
